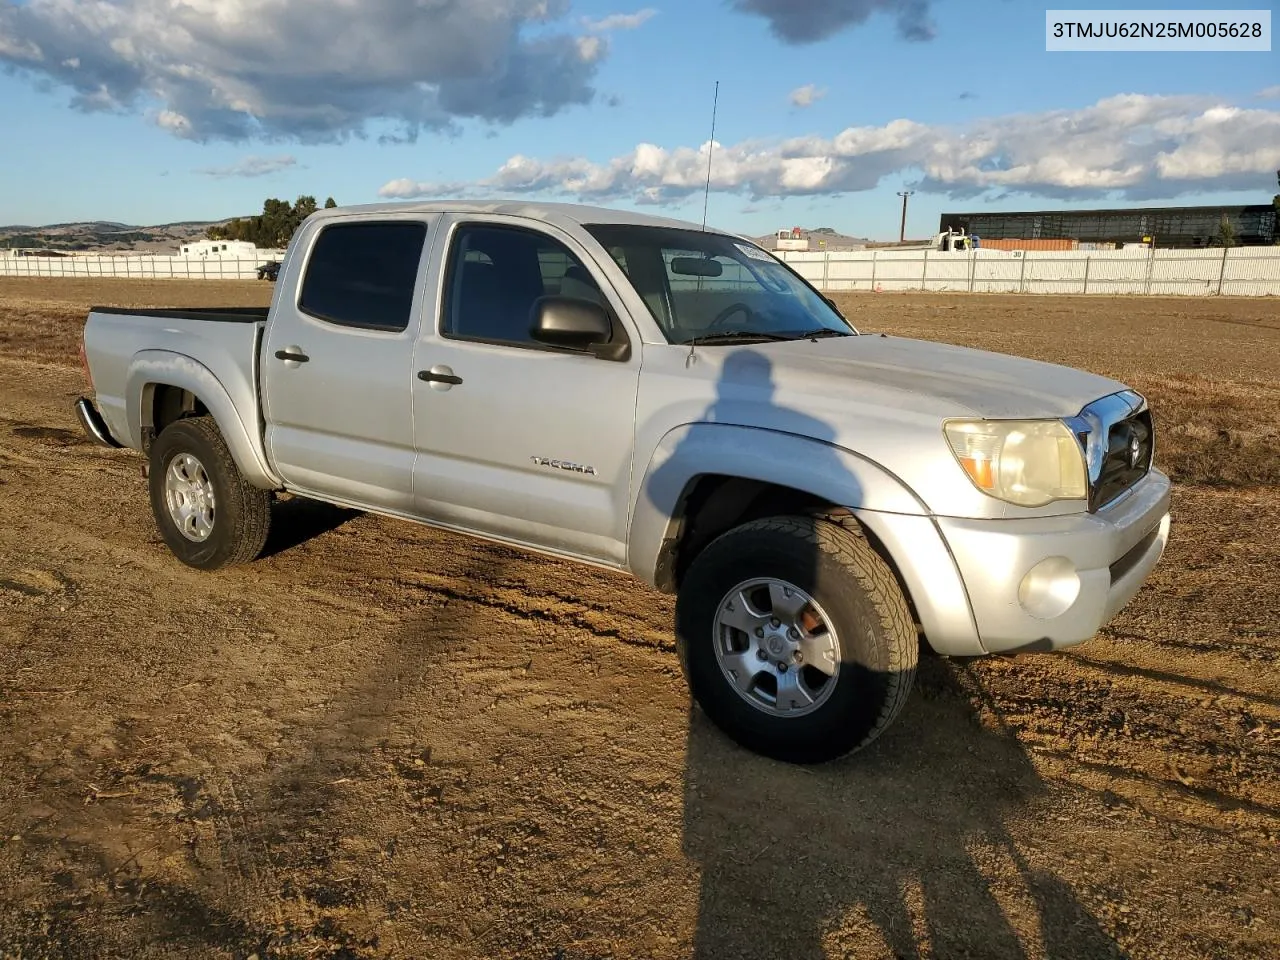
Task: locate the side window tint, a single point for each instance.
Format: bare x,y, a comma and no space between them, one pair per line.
364,274
498,273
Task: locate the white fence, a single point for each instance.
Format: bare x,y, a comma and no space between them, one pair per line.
137,267
1234,271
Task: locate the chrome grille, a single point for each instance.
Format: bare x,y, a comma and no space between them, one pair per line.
1118,438
1126,460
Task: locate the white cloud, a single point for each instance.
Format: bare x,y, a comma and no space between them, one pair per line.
253,167
404,189
1225,143
590,49
807,95
1129,146
1269,93
312,70
175,123
620,21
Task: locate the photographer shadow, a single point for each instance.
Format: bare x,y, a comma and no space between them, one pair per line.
898,850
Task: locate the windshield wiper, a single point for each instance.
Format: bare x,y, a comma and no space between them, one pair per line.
823,332
741,336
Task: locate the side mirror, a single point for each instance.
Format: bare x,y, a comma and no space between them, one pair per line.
570,322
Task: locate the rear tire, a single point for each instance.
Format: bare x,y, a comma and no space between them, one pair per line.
208,514
847,672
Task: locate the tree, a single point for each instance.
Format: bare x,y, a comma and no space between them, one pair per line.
304,208
331,203
1226,232
274,227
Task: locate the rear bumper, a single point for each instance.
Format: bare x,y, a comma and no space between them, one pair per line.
92,423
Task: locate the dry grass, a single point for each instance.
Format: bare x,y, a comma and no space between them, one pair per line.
1215,433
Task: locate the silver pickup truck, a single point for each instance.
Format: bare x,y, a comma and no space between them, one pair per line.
651,396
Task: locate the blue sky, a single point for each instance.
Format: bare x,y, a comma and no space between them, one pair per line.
132,114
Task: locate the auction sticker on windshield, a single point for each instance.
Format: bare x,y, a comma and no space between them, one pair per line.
755,253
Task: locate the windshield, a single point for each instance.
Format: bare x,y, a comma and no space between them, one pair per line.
710,285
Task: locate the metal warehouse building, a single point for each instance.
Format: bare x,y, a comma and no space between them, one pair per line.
1169,226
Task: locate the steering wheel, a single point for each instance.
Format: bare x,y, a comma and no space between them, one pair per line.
729,311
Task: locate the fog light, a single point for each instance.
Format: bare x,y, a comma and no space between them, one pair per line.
1049,588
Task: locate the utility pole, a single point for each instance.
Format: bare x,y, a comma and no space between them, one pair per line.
902,231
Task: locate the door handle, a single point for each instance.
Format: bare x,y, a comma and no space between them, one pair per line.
293,353
432,377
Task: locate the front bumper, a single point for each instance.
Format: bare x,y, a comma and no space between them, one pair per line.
1089,566
92,423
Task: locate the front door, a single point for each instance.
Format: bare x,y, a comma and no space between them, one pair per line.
338,362
516,439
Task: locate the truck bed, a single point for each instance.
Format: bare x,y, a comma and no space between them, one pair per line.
209,314
222,340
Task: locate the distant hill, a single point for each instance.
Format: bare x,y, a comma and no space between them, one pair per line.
105,236
820,238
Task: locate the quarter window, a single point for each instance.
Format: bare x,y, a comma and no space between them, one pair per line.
497,274
364,274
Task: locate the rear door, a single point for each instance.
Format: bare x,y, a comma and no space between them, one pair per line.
337,364
517,439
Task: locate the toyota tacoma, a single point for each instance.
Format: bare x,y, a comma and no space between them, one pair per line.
652,396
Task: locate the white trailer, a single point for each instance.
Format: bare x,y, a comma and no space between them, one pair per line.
219,250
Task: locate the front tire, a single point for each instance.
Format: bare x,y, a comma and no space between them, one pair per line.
796,639
208,514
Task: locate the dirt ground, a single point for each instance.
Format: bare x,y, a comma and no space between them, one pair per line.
382,740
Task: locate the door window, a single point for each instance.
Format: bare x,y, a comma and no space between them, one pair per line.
364,274
497,274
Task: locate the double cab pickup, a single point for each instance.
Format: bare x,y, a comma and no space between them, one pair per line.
655,397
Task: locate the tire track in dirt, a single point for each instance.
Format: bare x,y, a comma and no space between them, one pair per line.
550,607
239,830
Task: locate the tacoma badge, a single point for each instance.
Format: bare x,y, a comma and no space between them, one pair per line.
564,465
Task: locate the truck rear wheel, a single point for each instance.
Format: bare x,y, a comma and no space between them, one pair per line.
208,514
795,638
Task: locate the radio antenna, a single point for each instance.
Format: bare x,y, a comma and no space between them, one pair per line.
706,198
711,148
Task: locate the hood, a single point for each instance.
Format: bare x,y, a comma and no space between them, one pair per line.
957,381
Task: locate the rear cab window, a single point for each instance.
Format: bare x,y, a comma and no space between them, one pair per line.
364,275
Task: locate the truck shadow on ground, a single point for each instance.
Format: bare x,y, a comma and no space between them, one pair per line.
296,520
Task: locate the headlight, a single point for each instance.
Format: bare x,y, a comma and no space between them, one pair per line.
1027,462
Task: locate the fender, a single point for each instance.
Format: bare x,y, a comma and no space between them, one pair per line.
150,368
833,473
880,500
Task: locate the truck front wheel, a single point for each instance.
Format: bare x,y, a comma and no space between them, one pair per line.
208,514
795,638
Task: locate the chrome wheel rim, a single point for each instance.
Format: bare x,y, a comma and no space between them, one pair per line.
777,647
188,494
